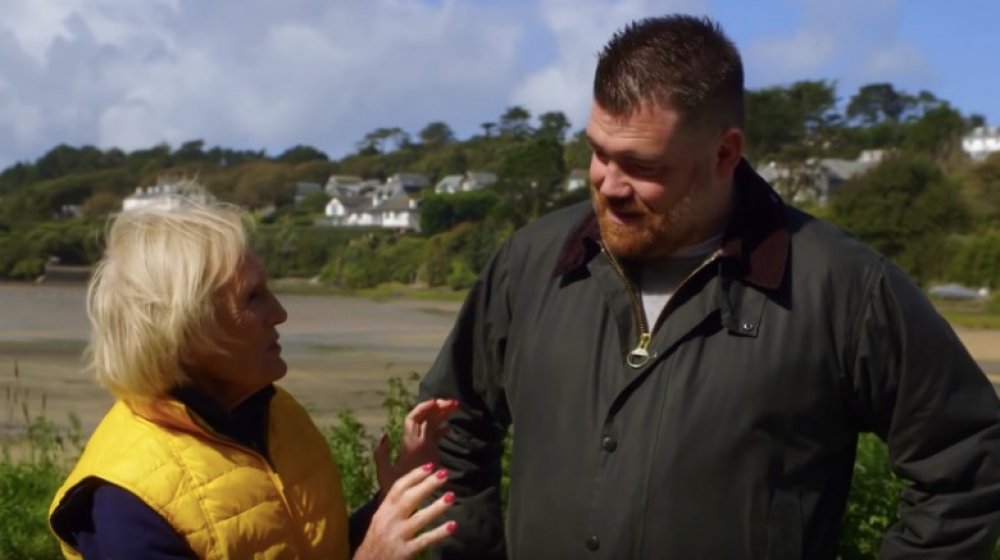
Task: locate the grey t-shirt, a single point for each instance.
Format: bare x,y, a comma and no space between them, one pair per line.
658,279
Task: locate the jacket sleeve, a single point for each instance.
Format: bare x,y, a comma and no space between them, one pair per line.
924,395
359,522
469,368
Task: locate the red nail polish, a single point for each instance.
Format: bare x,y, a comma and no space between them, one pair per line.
441,474
428,467
449,497
451,526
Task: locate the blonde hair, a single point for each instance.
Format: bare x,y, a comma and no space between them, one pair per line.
151,299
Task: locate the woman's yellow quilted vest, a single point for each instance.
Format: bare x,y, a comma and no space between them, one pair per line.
226,500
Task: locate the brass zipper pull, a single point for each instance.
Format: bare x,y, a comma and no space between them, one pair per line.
639,356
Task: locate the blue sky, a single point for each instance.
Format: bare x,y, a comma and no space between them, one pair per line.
269,74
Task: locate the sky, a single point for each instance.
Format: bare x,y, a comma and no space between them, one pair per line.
271,74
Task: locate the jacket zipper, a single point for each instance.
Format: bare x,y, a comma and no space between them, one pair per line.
640,355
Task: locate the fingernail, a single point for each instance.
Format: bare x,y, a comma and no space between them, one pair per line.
441,474
451,526
449,497
428,467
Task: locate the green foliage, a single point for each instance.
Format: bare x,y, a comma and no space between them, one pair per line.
289,250
903,208
460,276
981,188
32,467
577,152
351,446
468,246
27,484
302,154
977,261
375,258
440,213
24,252
871,508
781,120
529,177
553,124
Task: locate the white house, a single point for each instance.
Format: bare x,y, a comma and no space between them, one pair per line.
981,142
577,179
164,194
399,212
340,206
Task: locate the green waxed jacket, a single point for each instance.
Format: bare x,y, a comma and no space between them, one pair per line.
734,435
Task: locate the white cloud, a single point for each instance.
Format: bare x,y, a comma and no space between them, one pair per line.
896,60
852,41
581,28
794,57
250,74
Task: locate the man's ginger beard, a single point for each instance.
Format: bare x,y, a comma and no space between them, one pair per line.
655,235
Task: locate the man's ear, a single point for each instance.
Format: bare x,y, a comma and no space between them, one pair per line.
729,151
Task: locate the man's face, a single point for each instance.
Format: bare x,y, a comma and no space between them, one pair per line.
651,181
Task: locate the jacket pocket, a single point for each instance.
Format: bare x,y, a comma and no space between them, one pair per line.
784,525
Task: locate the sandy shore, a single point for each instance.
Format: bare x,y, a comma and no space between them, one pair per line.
340,351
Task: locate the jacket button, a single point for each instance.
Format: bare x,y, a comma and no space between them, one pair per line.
609,444
593,543
747,326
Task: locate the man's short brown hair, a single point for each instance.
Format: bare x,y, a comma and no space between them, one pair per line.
681,62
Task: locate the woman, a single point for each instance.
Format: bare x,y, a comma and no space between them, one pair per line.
202,455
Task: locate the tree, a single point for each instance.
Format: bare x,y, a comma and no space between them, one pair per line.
875,103
530,174
577,151
436,134
441,212
903,208
981,187
786,122
938,132
516,122
487,128
975,120
190,151
100,204
302,154
553,124
262,184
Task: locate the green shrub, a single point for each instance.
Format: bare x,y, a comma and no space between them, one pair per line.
28,484
871,508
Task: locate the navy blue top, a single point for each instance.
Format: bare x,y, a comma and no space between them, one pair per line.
107,521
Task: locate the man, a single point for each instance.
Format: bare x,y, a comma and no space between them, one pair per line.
687,362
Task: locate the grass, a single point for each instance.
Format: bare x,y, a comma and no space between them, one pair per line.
979,314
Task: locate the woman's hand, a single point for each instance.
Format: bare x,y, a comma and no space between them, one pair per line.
422,429
395,530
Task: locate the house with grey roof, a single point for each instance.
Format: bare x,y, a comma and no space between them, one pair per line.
469,181
815,179
407,182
